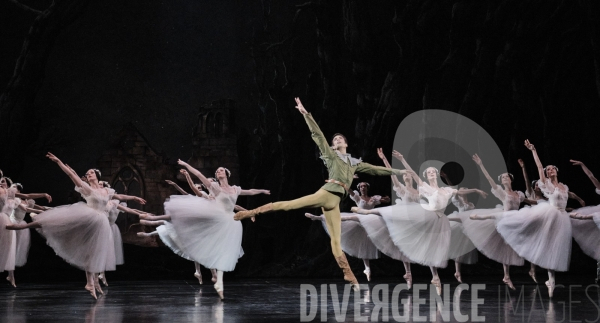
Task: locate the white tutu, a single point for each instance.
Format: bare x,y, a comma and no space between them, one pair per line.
378,233
80,235
204,230
355,241
586,233
461,249
541,234
422,235
8,241
113,214
23,242
487,239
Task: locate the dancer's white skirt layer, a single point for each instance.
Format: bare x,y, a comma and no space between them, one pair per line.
8,243
487,239
541,234
379,234
118,240
587,233
355,241
421,235
461,249
23,242
203,231
80,235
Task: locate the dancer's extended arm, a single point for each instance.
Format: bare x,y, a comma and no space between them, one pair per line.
528,187
478,161
129,210
179,189
86,189
191,183
395,180
33,196
588,172
254,191
196,173
575,197
123,197
465,191
538,163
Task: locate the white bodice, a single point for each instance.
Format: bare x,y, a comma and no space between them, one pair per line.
97,199
365,205
406,195
7,201
113,212
509,201
556,196
461,204
18,213
437,198
226,199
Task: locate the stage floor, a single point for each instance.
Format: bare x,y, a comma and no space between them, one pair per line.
283,300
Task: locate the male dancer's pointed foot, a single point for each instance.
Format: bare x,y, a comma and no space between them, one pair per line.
11,280
438,285
532,275
91,290
458,277
509,283
550,285
199,276
348,274
408,278
248,214
219,290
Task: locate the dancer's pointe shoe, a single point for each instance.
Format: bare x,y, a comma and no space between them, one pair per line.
143,234
310,216
358,210
509,283
219,291
103,279
348,274
475,217
11,281
368,274
252,213
91,290
438,285
532,275
97,286
458,277
199,276
408,277
550,285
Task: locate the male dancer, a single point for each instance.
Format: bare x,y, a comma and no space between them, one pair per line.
341,167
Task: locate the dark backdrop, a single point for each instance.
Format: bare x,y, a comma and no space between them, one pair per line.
78,71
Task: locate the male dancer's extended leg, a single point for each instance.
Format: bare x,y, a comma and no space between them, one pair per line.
334,226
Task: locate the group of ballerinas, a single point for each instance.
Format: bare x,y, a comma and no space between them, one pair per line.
415,229
83,234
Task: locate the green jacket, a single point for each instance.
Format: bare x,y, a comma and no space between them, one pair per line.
342,167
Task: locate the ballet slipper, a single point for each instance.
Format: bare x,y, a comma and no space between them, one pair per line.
408,277
11,280
348,274
199,276
214,279
508,282
368,274
475,217
91,290
102,278
550,285
219,290
458,277
144,234
252,213
358,210
438,285
532,275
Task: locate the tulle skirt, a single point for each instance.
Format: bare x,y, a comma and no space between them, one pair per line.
80,235
8,242
23,241
202,230
462,249
118,240
587,233
486,238
541,234
379,234
355,241
422,235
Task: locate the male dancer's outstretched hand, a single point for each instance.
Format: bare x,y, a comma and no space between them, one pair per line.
300,107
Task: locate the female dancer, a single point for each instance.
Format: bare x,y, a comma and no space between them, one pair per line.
79,233
422,231
484,234
341,168
354,238
586,234
541,234
197,225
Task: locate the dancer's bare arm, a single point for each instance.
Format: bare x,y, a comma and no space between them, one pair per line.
196,173
588,172
177,187
478,161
